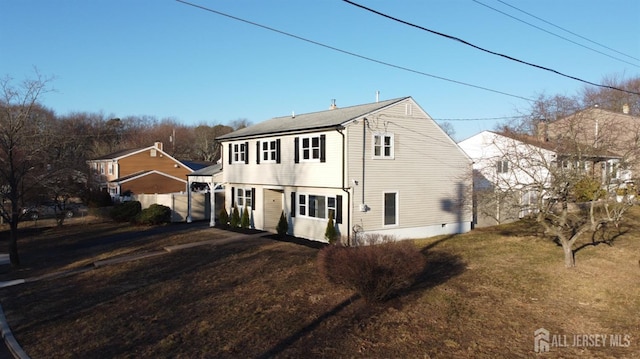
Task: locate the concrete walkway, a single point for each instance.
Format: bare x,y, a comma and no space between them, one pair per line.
14,349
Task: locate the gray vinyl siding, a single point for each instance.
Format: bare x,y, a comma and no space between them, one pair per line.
429,172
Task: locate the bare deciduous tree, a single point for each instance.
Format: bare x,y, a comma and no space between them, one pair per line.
22,122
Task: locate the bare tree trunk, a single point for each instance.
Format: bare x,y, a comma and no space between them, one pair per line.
13,244
569,256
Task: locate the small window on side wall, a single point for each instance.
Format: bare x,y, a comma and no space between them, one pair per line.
383,146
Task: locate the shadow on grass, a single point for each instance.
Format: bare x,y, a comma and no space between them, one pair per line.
439,267
290,340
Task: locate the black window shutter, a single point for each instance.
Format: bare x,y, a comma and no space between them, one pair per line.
323,140
246,153
253,198
233,197
293,204
338,209
230,153
278,150
296,143
258,152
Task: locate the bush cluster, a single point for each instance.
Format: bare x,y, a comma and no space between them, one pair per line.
376,272
126,211
155,214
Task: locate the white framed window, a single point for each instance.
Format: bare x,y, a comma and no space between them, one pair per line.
383,146
110,167
310,148
314,206
390,205
502,166
269,151
243,197
102,168
239,153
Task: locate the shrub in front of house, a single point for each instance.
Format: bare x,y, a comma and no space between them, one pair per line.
223,218
283,226
376,272
331,233
234,222
154,214
244,220
126,211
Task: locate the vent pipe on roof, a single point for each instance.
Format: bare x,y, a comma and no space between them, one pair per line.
625,108
377,96
293,114
333,104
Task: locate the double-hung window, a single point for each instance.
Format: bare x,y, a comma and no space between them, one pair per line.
243,197
310,148
269,151
238,152
383,145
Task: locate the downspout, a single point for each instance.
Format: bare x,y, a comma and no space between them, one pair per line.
364,148
347,190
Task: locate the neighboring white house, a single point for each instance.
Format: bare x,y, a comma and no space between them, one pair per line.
521,166
384,167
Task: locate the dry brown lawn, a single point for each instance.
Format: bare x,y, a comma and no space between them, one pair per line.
483,295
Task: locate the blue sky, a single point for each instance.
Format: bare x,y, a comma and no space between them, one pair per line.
166,59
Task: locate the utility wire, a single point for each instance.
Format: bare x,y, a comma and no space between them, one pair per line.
354,54
485,50
480,119
556,35
565,30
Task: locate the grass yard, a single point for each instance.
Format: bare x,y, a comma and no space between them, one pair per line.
483,295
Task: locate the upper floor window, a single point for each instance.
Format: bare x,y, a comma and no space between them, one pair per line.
268,151
238,152
383,146
110,167
310,148
502,166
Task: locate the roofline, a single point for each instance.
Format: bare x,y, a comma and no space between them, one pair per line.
280,133
315,129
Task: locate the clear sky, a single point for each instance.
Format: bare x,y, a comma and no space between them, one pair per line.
166,59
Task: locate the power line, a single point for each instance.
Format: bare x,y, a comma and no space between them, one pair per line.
570,32
479,119
553,34
485,50
354,54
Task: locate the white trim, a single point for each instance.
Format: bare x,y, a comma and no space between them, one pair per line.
146,173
